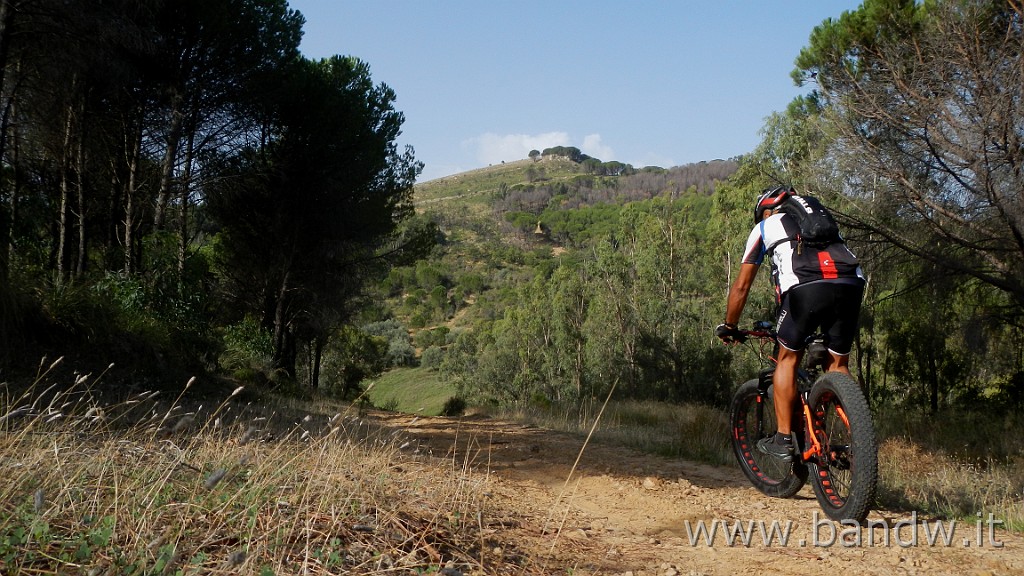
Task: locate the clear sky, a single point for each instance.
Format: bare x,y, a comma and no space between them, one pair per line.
645,82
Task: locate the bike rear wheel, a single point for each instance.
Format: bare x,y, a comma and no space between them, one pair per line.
845,474
752,417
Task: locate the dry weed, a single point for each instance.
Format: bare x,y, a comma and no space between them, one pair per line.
147,488
927,480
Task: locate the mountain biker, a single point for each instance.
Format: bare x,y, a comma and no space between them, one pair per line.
816,287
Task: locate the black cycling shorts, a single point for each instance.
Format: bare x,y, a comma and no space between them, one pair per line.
831,306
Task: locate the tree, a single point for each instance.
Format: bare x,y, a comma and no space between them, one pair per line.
210,56
925,101
308,218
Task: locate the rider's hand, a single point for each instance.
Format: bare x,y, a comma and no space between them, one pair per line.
728,333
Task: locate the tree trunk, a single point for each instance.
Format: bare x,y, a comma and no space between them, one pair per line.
12,204
62,216
129,201
933,381
169,162
284,339
80,261
6,212
318,355
183,201
111,228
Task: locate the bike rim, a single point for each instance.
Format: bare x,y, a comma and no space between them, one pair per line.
756,421
836,462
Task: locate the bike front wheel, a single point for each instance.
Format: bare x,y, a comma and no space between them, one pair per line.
845,472
752,417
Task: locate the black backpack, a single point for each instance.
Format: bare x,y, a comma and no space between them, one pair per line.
817,226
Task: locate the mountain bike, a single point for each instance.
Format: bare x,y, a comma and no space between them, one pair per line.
835,444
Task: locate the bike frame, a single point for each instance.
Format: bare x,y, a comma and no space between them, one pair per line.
812,448
835,447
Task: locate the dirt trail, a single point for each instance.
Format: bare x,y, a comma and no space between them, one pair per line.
623,512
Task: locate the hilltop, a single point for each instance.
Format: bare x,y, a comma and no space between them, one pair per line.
501,225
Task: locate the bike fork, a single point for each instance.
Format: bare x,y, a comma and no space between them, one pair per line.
812,446
764,381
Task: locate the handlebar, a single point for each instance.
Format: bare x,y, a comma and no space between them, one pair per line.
816,355
763,330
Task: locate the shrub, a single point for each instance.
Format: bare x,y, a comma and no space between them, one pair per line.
432,357
454,406
400,351
435,337
247,346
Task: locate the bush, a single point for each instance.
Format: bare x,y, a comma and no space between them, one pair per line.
436,337
247,346
400,351
432,358
454,406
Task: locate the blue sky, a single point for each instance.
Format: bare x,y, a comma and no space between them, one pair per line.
644,82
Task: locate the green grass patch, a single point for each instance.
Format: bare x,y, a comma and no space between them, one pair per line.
413,390
468,186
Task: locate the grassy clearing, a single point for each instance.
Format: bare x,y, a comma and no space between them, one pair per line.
412,390
149,487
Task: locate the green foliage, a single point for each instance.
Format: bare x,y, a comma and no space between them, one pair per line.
432,357
581,226
471,282
633,313
570,152
399,344
453,407
247,345
436,337
428,275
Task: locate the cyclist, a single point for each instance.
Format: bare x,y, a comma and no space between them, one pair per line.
815,287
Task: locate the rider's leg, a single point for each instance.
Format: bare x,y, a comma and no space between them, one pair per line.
838,362
784,385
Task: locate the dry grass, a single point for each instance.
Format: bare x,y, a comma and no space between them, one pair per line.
918,479
144,487
954,465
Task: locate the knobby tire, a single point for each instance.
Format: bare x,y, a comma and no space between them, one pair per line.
845,476
769,475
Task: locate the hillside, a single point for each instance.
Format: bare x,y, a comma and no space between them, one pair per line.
504,224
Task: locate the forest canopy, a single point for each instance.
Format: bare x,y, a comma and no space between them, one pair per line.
180,165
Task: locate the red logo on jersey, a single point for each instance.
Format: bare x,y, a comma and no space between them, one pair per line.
827,265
